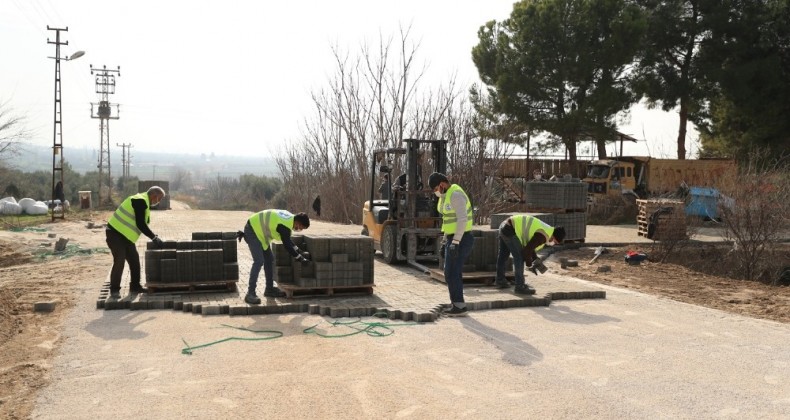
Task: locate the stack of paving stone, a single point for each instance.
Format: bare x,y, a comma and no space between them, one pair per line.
208,257
337,260
558,204
556,195
484,252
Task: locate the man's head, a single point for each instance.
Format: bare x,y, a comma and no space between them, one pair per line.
438,183
301,221
155,195
559,234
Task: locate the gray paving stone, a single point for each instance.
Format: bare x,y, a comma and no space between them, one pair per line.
238,310
45,306
210,310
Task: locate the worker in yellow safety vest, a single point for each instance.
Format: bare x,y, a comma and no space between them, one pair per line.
125,226
521,236
261,229
457,218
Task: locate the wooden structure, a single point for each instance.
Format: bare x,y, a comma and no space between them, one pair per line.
293,291
668,216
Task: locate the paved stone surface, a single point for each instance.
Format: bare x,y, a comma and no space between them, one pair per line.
399,289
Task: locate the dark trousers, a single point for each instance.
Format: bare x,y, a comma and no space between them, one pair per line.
260,257
453,268
509,245
123,251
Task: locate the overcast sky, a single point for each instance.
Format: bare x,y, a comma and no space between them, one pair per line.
228,77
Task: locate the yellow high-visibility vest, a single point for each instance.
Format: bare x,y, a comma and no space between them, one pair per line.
449,218
527,226
264,224
123,220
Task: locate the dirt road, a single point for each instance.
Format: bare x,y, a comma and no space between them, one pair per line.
631,355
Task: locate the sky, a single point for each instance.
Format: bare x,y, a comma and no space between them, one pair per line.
229,77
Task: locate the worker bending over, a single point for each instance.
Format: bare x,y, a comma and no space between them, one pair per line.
521,236
261,229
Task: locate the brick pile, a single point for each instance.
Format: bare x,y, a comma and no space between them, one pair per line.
337,260
208,257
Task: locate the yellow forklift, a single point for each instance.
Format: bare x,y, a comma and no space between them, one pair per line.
403,221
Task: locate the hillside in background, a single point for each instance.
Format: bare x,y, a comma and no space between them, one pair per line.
149,165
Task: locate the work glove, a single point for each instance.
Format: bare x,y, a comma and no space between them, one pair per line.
303,256
239,235
158,241
537,266
452,249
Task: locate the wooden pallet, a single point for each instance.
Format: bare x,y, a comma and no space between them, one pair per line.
482,278
197,287
293,291
671,226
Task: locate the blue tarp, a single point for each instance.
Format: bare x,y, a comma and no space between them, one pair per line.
703,202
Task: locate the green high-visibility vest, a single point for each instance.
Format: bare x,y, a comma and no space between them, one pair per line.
264,224
449,218
123,220
527,226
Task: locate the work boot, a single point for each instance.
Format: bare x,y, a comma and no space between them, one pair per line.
252,299
115,294
136,289
454,311
273,292
501,284
524,290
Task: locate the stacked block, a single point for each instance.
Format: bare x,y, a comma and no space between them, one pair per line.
556,195
208,257
484,252
575,225
565,204
337,260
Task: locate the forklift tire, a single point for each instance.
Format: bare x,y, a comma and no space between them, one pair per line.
389,244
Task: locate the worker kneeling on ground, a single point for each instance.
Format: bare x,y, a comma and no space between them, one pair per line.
123,229
522,236
262,228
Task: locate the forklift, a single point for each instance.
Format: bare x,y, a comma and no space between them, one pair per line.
404,222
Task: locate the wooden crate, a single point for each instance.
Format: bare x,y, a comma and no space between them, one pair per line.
671,225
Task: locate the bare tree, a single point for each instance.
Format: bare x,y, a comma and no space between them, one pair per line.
755,209
13,133
374,101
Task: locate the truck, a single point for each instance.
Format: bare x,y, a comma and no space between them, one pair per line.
642,177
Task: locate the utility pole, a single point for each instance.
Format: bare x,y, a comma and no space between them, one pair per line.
105,86
126,157
58,184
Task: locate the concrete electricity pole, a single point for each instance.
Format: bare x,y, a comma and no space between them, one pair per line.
58,185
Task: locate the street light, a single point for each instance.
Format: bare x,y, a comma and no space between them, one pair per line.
57,142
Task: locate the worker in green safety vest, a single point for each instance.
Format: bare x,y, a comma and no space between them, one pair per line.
125,226
457,218
261,229
521,236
